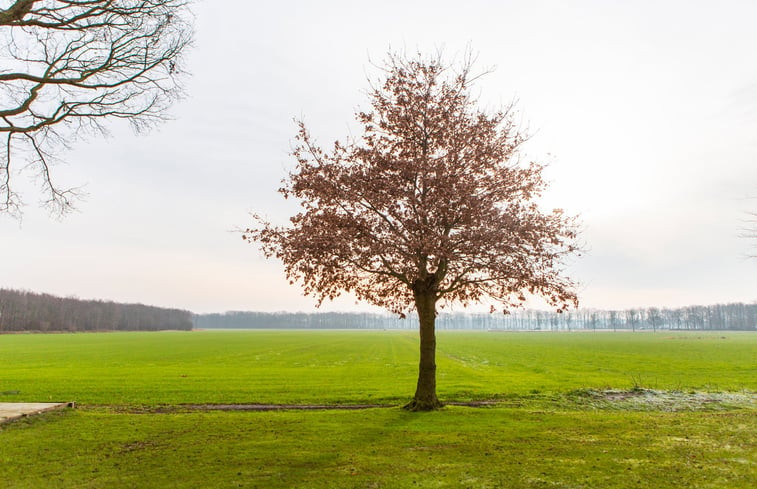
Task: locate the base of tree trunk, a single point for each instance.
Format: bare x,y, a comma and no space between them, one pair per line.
418,405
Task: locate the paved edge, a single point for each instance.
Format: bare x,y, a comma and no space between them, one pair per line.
53,407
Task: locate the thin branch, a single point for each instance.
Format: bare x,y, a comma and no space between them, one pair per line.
78,63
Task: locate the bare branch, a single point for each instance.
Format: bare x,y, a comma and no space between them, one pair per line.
750,232
70,65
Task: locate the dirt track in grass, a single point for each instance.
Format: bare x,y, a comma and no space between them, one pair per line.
584,399
271,407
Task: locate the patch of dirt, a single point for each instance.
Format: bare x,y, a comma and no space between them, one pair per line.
639,399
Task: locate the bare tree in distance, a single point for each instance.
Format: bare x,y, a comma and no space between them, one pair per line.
428,207
67,66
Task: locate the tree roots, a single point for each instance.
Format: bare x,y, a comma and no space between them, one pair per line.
423,405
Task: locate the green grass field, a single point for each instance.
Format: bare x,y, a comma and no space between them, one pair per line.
549,430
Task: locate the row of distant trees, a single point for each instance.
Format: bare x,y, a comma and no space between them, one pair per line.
735,316
28,311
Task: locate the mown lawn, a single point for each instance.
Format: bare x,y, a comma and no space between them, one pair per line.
382,448
548,431
359,366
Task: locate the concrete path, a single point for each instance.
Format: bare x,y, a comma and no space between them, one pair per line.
14,410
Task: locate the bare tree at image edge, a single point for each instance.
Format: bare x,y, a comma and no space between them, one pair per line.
750,233
429,207
67,66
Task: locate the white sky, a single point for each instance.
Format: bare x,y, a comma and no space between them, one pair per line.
645,110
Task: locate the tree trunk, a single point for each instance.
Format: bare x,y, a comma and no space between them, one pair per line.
425,394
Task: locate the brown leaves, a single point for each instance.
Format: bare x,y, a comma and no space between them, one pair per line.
430,196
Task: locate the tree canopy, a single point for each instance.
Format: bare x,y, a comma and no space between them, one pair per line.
431,203
432,192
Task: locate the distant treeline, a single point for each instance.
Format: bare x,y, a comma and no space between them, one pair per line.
298,320
736,316
27,311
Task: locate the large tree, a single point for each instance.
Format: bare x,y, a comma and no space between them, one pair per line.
430,206
66,66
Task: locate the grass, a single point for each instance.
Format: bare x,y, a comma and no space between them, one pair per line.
381,448
359,367
553,428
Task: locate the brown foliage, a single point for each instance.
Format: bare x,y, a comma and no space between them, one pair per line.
430,199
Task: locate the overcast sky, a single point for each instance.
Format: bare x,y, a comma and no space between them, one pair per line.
646,112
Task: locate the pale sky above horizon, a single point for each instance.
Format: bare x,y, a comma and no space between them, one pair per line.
646,113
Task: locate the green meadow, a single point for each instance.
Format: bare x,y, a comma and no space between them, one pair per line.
573,410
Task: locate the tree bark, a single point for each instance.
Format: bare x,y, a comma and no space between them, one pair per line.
16,12
425,393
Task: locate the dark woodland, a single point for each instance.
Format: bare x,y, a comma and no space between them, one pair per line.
28,311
